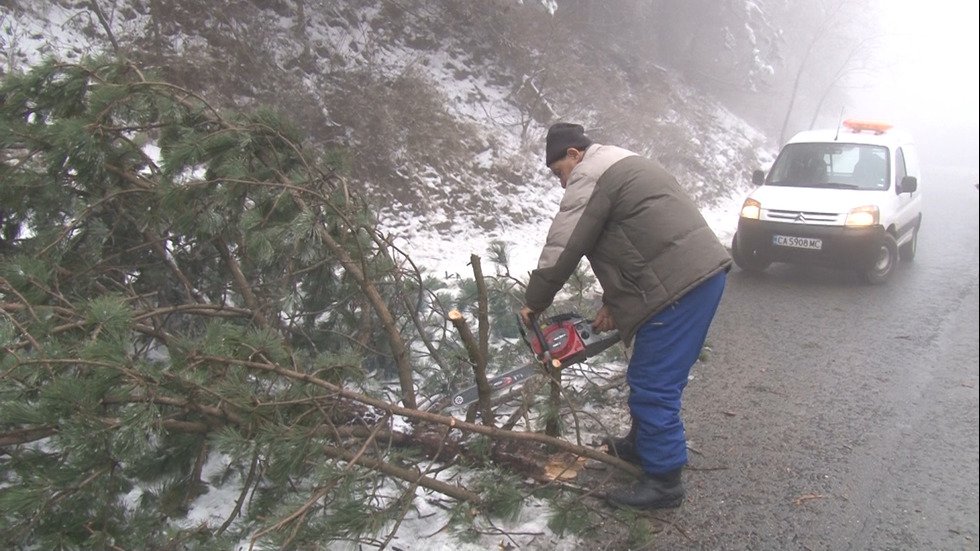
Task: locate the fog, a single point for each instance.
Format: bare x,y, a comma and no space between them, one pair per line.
929,83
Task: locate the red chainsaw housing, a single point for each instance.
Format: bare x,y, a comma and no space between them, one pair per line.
563,340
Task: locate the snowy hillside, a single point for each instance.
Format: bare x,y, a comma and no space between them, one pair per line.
485,180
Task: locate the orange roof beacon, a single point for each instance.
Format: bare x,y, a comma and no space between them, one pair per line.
859,125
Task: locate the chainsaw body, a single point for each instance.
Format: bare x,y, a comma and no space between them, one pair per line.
571,340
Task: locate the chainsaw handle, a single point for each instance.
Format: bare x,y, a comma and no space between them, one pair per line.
520,327
545,348
538,334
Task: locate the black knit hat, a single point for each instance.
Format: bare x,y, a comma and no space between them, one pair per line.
561,136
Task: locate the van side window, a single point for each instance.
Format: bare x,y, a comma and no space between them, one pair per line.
900,171
871,169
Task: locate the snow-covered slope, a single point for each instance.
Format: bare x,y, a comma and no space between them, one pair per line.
454,157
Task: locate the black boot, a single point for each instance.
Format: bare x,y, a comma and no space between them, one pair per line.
624,447
652,491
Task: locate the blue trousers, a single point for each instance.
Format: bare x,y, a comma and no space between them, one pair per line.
664,350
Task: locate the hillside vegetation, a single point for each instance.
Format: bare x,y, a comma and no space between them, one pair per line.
201,289
438,107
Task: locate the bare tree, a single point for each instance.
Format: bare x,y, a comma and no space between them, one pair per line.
840,44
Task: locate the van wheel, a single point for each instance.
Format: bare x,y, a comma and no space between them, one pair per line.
907,251
750,262
884,262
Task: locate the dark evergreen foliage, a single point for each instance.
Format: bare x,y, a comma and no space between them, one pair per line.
191,303
148,300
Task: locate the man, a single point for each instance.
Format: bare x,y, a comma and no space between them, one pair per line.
871,171
662,272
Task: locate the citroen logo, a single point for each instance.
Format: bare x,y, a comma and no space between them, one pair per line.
800,218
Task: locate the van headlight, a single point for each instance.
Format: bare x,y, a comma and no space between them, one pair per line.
862,217
750,209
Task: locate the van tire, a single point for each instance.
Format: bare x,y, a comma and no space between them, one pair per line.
751,263
884,263
907,251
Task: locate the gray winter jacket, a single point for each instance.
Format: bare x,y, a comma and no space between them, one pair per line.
646,240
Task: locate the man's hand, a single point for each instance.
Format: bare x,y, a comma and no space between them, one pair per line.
528,315
603,320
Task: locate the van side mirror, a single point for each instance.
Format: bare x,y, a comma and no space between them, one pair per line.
759,176
908,184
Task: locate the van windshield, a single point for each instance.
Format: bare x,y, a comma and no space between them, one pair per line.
831,165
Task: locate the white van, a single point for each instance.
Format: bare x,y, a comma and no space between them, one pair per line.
846,197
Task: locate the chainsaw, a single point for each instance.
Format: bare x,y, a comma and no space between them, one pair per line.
570,339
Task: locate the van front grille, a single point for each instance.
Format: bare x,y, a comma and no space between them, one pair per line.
801,217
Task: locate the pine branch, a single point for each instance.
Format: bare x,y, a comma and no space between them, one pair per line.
297,515
403,473
478,361
398,348
482,309
26,435
244,287
420,415
246,488
386,244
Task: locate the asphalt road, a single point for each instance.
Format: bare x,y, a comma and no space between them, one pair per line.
830,414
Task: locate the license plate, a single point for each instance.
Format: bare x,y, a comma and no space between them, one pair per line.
797,242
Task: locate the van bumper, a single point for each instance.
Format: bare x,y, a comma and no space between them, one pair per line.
839,246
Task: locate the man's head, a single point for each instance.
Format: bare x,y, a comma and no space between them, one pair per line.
564,148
